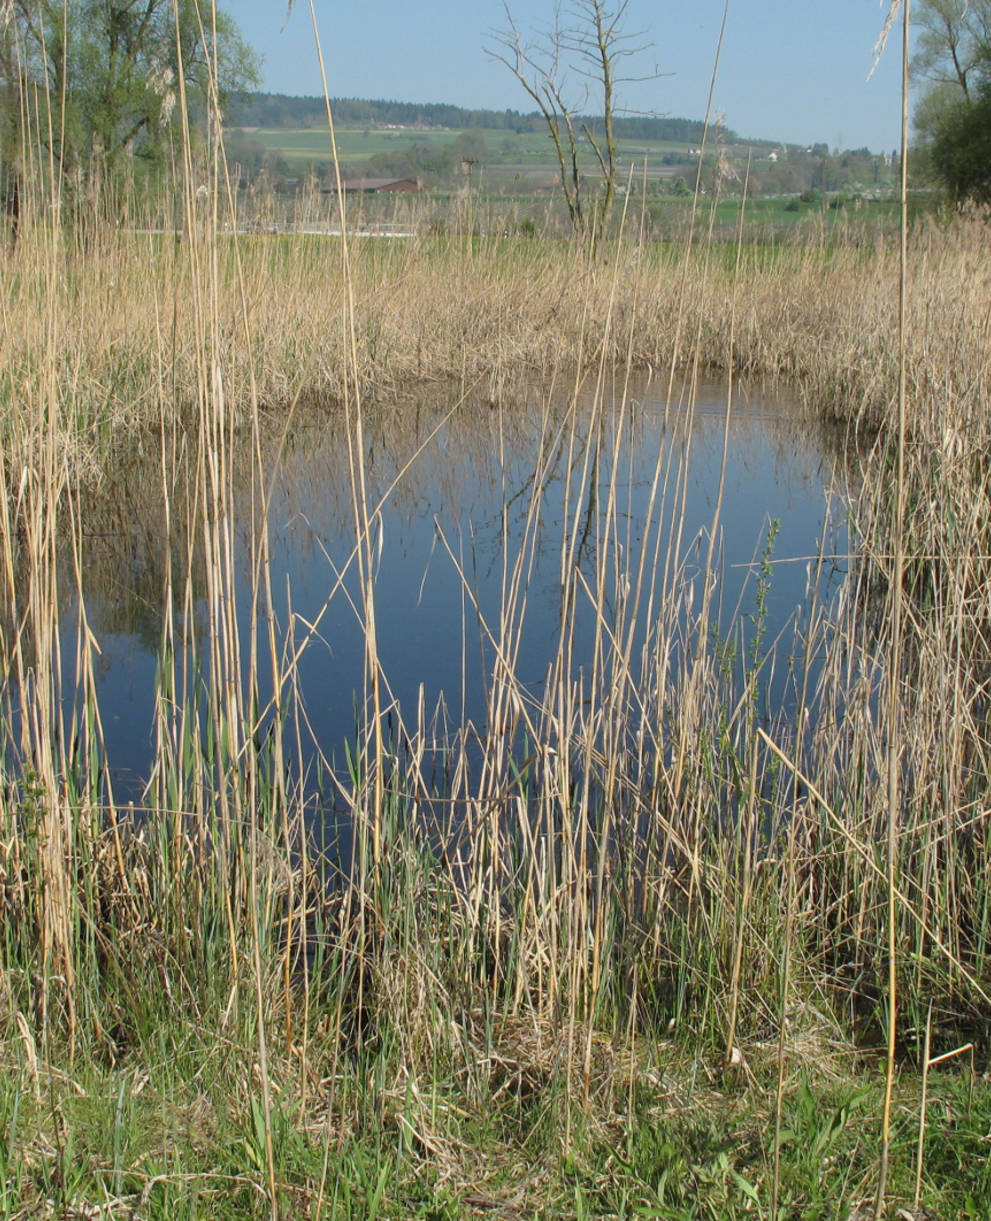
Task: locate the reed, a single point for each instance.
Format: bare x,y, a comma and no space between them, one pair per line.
822,316
549,966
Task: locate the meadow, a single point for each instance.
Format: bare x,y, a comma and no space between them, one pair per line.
310,145
622,949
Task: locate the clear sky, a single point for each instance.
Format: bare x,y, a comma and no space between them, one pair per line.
791,70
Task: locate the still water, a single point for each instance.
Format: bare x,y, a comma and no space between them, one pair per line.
579,493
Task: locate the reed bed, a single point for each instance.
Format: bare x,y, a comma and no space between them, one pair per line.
492,312
618,948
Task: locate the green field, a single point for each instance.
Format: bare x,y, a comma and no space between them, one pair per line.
306,146
313,144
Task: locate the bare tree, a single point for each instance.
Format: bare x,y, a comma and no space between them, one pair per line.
561,70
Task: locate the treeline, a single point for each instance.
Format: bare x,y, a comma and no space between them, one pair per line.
664,130
277,110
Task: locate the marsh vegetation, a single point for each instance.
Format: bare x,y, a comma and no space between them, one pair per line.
611,943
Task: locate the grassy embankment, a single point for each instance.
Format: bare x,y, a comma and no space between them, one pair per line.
645,976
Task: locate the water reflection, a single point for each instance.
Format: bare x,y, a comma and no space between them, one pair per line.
492,523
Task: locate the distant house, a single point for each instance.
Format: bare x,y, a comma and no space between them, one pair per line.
377,186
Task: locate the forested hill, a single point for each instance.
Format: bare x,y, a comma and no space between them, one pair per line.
281,111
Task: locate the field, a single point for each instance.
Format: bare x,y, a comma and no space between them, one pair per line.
507,160
308,145
623,948
514,180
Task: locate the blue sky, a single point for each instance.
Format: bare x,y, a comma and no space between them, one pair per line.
791,69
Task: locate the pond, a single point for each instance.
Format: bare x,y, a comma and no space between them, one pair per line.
543,533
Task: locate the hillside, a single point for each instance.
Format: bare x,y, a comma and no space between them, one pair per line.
275,111
510,153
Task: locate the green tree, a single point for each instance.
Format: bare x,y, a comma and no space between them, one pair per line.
953,57
961,150
109,72
953,45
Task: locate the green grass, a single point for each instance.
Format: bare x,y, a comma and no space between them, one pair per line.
174,1129
852,222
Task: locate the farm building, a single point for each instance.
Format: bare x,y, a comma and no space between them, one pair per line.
377,186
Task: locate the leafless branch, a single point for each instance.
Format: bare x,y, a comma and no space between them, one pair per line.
587,41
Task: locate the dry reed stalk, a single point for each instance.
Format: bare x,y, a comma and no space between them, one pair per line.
421,319
895,657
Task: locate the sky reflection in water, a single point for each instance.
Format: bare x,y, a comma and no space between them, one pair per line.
469,492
